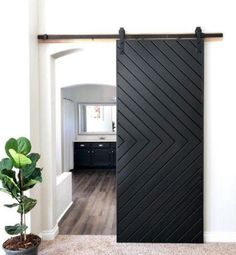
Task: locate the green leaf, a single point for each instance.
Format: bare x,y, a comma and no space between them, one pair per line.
35,177
6,163
19,160
9,173
34,157
8,182
11,205
16,229
26,205
10,186
23,145
30,184
28,170
11,144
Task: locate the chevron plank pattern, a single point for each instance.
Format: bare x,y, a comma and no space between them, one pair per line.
160,142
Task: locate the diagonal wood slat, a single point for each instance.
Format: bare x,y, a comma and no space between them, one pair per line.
160,141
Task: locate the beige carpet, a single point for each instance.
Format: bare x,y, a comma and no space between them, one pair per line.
106,245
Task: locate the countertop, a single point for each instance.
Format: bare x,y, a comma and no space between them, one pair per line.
94,141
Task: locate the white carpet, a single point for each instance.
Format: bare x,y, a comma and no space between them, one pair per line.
106,245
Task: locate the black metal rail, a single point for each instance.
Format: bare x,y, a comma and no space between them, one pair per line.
127,36
46,37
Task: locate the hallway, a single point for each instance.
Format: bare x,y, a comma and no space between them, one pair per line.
94,209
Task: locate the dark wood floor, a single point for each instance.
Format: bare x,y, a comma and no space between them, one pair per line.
94,209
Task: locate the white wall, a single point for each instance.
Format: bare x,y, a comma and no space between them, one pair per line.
92,63
152,16
64,194
17,63
91,93
34,105
68,134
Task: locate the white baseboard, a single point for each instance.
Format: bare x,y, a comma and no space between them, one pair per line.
67,208
222,237
50,234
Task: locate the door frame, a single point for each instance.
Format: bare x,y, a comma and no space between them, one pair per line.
48,54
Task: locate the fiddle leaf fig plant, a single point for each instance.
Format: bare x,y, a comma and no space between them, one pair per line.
19,173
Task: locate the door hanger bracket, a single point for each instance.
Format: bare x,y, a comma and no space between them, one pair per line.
199,36
122,40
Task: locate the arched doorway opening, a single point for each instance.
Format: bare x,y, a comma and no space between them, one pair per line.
52,82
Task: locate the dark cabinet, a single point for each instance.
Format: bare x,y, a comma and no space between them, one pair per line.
94,155
83,158
100,157
113,155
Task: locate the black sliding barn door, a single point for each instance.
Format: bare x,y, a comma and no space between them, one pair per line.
160,141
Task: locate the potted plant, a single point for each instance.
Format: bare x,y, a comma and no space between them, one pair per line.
19,173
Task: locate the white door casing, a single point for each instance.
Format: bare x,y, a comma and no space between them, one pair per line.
68,120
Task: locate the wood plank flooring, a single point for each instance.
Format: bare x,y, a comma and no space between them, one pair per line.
94,209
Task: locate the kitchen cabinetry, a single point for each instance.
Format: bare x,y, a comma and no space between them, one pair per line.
94,155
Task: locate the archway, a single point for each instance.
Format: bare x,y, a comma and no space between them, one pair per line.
49,92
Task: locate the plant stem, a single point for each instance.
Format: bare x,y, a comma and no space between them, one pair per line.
24,221
22,214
